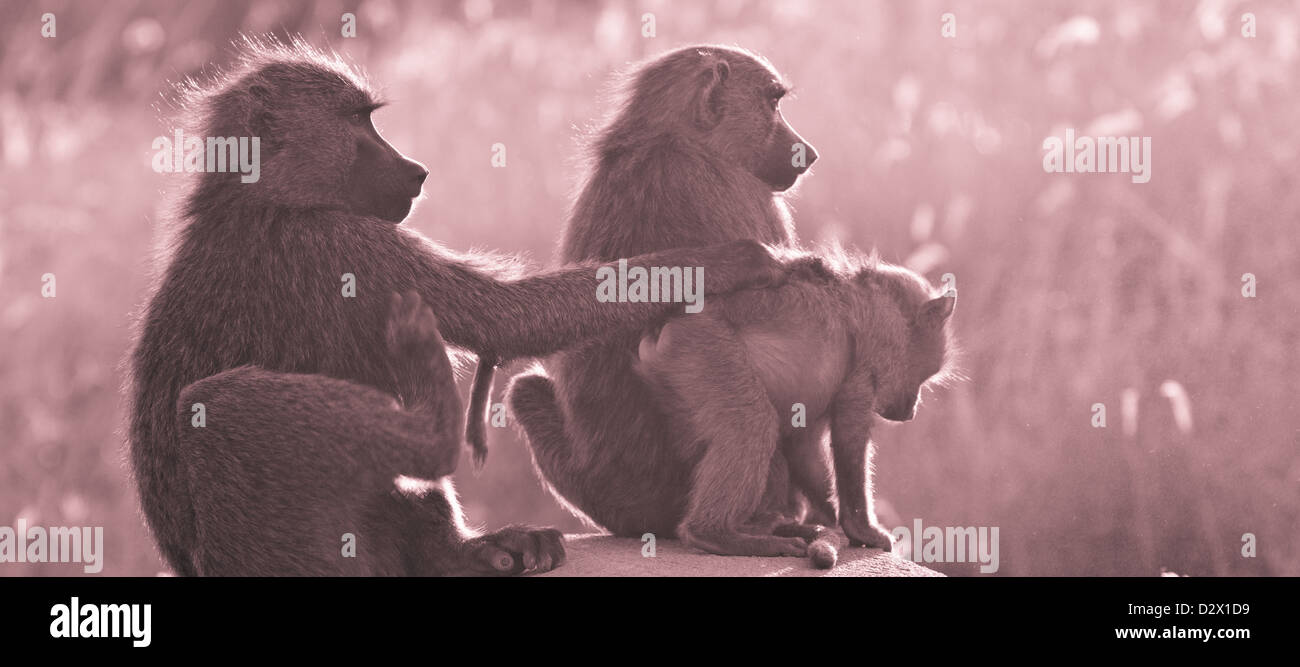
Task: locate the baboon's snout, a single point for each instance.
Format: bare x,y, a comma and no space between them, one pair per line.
414,173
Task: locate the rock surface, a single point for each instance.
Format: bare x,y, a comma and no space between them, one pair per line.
594,555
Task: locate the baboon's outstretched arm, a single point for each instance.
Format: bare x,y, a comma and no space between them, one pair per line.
542,314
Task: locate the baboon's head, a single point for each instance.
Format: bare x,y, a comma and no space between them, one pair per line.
318,145
727,100
911,338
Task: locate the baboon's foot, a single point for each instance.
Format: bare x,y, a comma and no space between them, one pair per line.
763,523
862,531
735,543
804,531
516,550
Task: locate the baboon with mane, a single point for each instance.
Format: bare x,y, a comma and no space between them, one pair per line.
682,431
253,283
698,153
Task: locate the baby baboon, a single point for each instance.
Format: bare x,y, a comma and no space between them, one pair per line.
292,273
863,344
698,153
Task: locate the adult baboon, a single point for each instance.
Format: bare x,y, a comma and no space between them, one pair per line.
260,276
698,153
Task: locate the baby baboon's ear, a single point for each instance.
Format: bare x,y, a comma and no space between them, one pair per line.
935,311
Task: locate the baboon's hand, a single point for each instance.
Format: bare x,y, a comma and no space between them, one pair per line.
516,550
413,330
738,265
416,347
419,354
863,532
809,269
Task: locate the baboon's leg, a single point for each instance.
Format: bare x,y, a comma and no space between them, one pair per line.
418,358
799,501
415,343
851,446
778,504
537,410
810,473
708,382
425,519
292,502
279,510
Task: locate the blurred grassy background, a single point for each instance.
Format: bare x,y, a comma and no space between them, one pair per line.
1074,288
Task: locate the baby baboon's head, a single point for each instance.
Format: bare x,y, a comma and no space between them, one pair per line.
909,338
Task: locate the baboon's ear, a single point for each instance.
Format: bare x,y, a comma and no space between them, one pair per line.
259,113
935,311
709,113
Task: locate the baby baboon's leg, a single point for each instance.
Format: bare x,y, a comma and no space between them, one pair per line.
707,381
778,504
810,473
798,499
810,477
851,447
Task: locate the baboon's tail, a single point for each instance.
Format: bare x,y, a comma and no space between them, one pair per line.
476,418
825,550
824,543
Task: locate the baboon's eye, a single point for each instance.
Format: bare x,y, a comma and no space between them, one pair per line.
774,94
362,116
